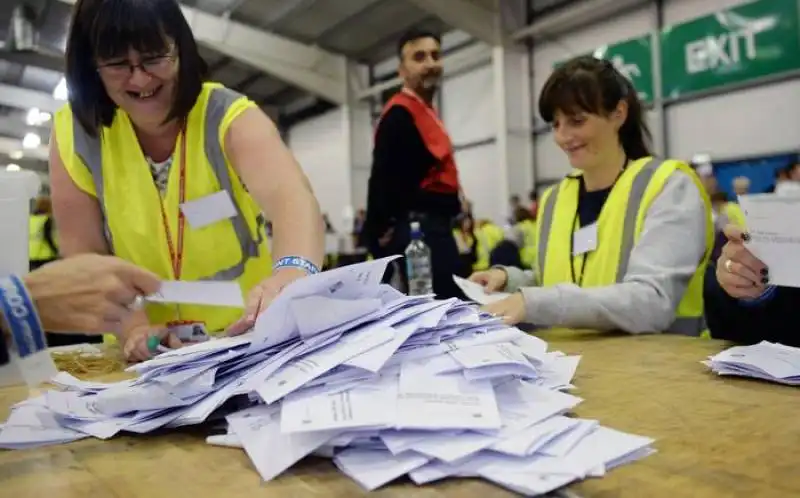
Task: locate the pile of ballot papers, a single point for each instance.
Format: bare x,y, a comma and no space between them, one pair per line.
765,360
344,367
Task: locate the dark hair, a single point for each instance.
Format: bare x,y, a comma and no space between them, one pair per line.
415,34
107,29
522,214
719,197
588,84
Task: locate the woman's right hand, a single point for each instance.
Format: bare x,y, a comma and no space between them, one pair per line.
739,273
135,347
493,280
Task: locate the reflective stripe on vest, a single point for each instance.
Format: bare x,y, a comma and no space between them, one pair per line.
691,326
88,149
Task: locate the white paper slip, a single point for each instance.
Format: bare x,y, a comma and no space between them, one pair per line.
476,292
209,209
258,429
772,222
202,293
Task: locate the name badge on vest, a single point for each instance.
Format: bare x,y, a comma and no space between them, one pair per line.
209,209
584,240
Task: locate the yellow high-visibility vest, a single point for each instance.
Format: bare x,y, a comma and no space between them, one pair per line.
488,235
619,227
113,169
527,252
38,247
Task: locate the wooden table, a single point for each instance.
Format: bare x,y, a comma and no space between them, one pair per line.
716,437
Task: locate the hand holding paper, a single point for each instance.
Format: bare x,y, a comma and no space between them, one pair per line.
478,293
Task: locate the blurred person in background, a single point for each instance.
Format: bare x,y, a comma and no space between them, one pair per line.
526,225
488,235
508,251
414,175
42,246
787,181
624,243
740,303
533,198
514,204
144,134
741,185
464,233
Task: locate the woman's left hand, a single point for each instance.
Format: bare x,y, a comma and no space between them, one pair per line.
262,295
511,309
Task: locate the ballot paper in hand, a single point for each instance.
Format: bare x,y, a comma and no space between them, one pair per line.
203,293
477,293
774,234
384,384
765,360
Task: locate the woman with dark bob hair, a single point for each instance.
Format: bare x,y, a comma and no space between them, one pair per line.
154,164
623,243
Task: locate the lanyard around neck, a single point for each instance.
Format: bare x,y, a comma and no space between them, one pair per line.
176,249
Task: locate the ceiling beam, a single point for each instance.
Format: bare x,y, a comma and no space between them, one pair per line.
317,71
246,83
580,14
465,15
10,145
24,98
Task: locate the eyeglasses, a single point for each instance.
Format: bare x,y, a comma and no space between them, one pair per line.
158,66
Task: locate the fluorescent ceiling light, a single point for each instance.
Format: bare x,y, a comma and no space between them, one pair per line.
31,141
61,93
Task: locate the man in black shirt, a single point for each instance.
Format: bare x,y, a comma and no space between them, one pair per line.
414,176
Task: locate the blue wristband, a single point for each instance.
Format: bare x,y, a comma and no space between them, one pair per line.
296,262
21,317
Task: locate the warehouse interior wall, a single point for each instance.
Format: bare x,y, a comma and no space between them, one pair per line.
759,118
321,146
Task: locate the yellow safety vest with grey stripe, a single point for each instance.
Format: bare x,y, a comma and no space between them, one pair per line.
619,227
113,169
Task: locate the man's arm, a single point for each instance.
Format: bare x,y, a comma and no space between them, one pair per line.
400,161
671,246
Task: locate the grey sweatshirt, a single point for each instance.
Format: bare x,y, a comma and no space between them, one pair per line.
671,246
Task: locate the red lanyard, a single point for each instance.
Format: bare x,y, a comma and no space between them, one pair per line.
428,108
176,251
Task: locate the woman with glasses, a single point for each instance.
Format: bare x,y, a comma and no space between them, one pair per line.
152,163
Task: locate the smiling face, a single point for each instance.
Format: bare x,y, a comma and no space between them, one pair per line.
421,65
589,140
142,83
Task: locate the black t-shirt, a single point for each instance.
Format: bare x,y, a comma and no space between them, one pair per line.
400,162
590,204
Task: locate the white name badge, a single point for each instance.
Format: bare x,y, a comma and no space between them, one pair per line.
584,240
209,209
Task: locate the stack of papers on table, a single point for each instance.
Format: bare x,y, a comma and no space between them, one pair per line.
765,360
384,384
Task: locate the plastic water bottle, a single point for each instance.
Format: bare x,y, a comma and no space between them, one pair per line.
418,264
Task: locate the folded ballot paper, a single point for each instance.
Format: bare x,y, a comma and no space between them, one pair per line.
765,360
344,367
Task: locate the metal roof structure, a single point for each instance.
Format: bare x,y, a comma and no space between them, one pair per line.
278,52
